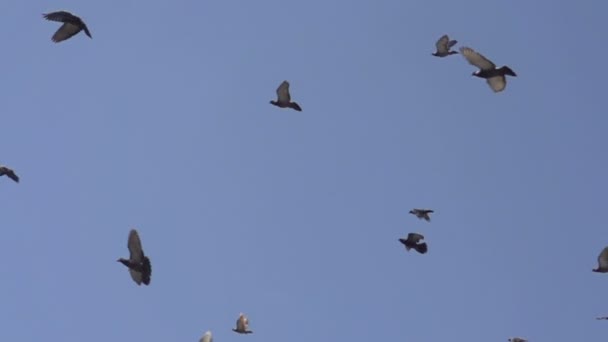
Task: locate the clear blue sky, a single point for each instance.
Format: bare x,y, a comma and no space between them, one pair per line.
161,122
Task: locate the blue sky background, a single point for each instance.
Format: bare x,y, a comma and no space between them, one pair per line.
161,122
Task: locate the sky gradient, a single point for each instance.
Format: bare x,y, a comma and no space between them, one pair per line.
162,123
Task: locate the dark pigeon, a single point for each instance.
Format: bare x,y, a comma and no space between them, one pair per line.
71,25
412,242
5,171
138,264
603,317
284,98
242,325
602,262
517,339
494,77
443,46
422,213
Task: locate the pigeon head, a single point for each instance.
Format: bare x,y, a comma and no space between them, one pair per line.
123,261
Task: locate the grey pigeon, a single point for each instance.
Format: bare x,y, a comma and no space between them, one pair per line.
207,337
494,77
242,325
71,25
284,98
602,262
138,264
517,339
5,171
604,317
443,46
422,213
412,242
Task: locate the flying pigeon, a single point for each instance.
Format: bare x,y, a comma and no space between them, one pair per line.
517,339
138,264
284,98
242,325
602,261
443,46
71,25
5,171
605,317
495,77
412,242
207,337
422,213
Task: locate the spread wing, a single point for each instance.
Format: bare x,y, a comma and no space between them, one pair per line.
442,44
602,259
477,59
497,83
66,31
283,92
136,276
207,337
136,253
414,237
61,16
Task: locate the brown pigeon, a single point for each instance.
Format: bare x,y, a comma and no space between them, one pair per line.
284,98
494,77
422,213
412,242
138,264
242,325
5,171
443,46
602,262
71,25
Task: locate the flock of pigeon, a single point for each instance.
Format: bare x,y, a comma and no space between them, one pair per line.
138,263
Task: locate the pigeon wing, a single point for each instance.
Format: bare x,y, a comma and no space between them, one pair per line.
497,83
442,44
146,272
414,237
452,43
61,16
66,31
477,59
602,259
136,276
136,253
207,337
283,92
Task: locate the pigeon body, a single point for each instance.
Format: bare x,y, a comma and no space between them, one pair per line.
138,264
284,98
412,242
604,317
5,171
443,46
242,325
71,25
517,339
207,337
422,213
602,262
495,77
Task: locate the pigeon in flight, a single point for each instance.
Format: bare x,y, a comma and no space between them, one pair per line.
494,77
284,98
242,325
138,264
604,317
71,25
517,339
412,242
422,213
5,171
207,337
443,46
602,262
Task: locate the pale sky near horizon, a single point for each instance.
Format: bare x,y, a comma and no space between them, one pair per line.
162,122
